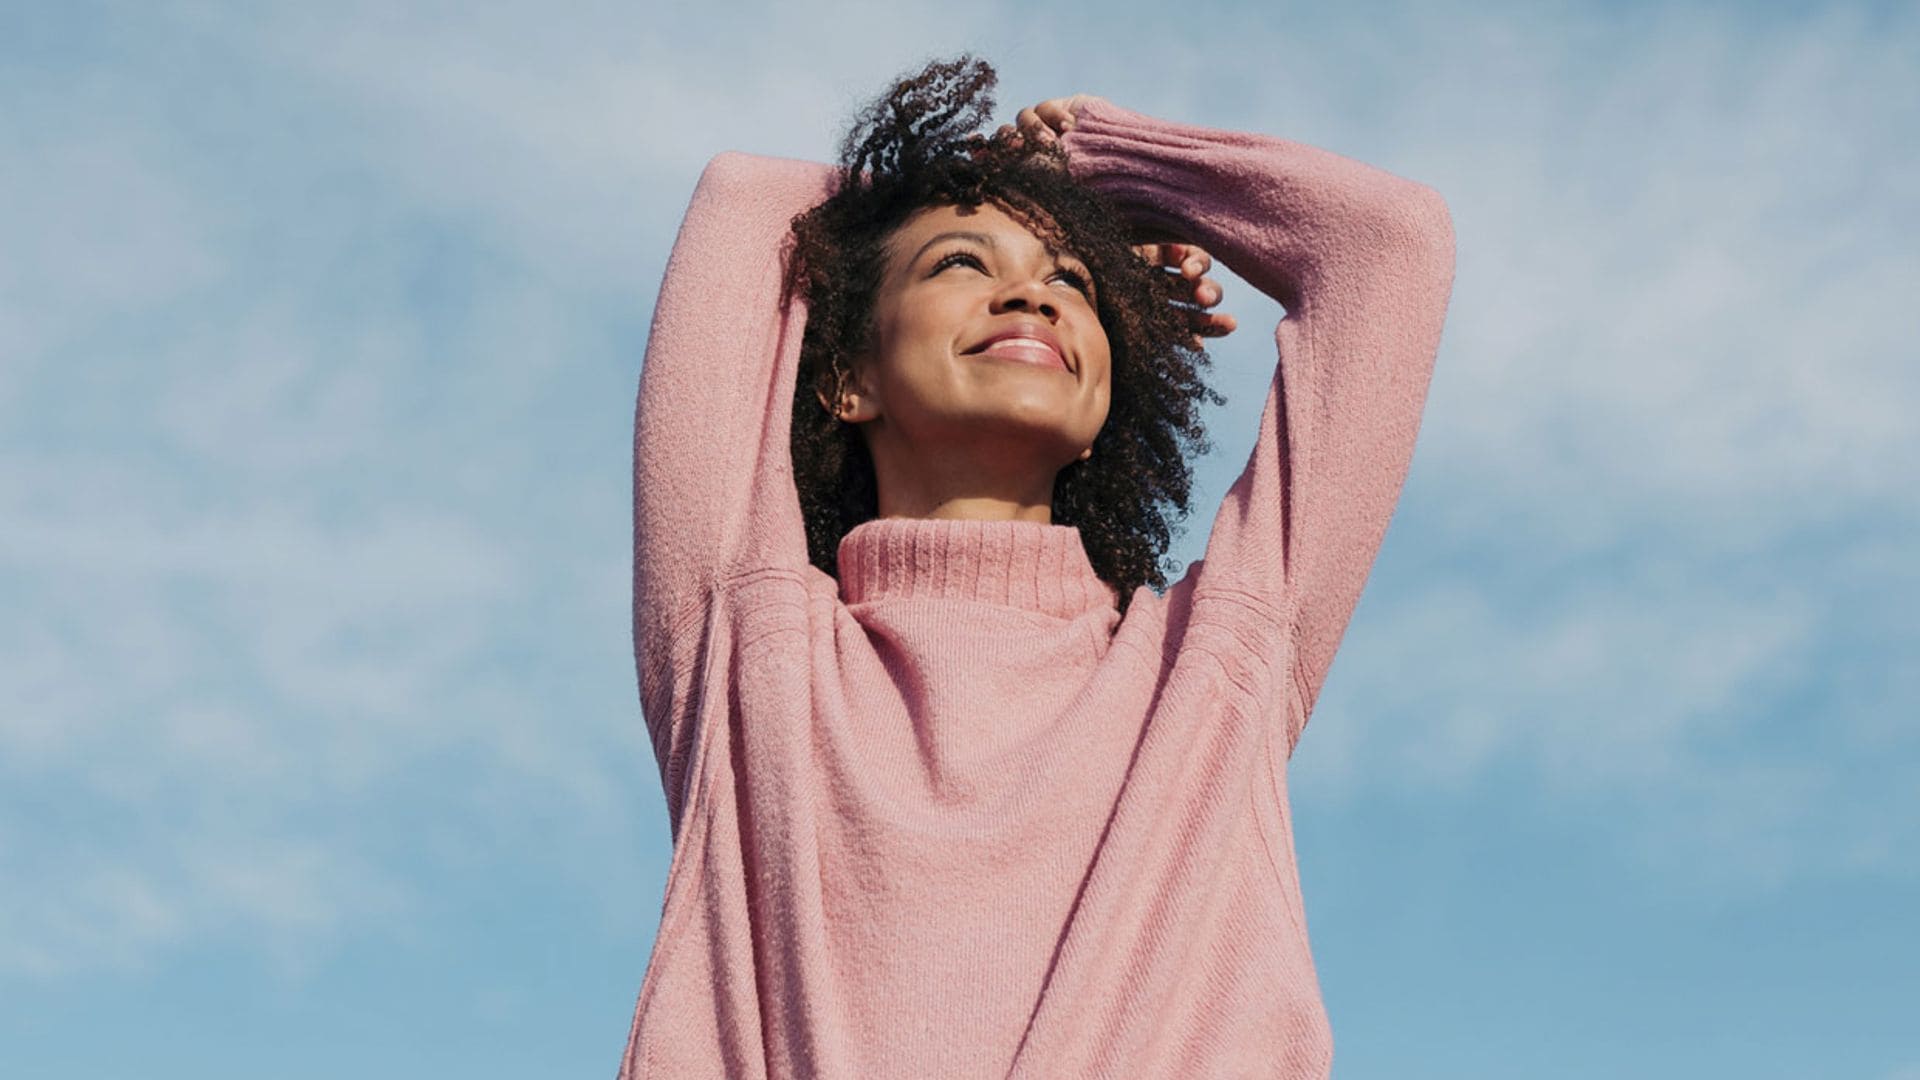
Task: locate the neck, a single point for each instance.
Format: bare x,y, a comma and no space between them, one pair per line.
957,485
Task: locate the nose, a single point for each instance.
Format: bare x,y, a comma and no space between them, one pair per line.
1027,294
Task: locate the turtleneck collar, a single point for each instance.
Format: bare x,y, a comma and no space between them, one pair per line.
1020,564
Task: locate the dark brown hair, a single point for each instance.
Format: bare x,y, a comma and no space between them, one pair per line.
914,147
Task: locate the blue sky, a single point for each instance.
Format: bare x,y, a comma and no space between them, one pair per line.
320,752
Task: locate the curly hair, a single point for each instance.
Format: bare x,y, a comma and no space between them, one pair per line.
915,147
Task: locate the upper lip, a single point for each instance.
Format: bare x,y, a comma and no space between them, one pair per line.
1027,328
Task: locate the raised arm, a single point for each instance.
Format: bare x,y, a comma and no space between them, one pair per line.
712,476
1363,262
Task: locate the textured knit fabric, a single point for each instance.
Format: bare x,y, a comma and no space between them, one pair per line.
950,815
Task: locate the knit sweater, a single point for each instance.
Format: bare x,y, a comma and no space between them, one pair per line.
950,814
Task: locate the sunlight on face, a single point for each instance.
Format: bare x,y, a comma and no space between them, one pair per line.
958,277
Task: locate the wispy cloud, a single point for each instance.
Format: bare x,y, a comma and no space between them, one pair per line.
1651,551
290,534
320,330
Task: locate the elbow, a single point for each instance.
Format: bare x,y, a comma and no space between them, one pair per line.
729,172
1429,222
1421,227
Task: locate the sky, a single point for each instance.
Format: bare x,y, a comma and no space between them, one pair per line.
320,326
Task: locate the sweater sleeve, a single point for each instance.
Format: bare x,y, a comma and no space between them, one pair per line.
1363,261
713,491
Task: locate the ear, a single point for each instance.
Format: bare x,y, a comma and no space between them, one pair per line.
858,403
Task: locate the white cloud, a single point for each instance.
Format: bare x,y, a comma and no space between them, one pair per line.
105,909
1726,731
1681,286
1600,682
253,490
579,139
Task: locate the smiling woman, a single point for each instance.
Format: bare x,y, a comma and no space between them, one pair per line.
956,790
949,434
935,240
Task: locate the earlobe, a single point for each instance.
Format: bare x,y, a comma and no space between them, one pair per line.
853,409
842,403
851,404
847,407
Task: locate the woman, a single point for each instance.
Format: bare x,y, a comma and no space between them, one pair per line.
955,789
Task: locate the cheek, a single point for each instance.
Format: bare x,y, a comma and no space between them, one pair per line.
917,342
1099,352
929,333
925,319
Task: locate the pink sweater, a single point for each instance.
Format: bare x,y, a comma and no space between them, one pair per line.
950,815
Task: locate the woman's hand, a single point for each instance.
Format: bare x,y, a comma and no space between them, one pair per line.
1196,292
1043,124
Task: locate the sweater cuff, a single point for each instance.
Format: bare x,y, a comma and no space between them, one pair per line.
1136,160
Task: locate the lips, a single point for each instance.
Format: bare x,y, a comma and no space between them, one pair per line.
1025,342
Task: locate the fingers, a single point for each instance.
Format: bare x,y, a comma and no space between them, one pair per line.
1057,114
1043,124
1046,122
1206,326
1203,323
1191,259
1033,127
1204,291
1210,325
1201,318
1199,294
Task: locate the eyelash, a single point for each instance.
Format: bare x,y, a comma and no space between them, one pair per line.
1079,282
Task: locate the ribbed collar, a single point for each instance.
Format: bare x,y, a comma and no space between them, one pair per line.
1020,564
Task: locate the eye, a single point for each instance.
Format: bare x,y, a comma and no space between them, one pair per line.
1079,281
954,257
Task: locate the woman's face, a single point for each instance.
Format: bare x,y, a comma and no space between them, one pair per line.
939,385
